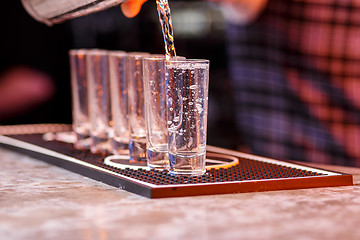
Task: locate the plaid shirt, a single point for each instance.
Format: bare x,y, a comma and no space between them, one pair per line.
296,78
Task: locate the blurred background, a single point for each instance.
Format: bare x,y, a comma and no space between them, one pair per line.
294,89
199,32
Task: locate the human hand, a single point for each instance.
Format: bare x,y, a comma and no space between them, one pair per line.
131,8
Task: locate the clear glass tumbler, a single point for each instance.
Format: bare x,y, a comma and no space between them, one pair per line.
187,83
97,66
119,102
136,107
79,87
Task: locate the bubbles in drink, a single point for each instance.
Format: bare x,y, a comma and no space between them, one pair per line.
187,108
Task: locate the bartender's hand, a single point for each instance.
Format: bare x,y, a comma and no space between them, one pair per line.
131,8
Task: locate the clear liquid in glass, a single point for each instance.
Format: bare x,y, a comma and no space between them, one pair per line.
187,117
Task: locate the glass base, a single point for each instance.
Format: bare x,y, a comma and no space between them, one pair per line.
82,141
187,165
119,148
157,159
137,148
99,145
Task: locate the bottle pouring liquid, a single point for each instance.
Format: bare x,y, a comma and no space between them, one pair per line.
56,11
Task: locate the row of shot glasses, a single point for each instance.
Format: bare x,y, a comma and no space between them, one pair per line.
143,106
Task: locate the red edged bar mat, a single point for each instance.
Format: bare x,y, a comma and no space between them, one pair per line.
227,171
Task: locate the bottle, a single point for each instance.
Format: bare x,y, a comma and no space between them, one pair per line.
56,11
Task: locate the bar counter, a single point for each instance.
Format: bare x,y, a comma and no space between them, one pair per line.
41,201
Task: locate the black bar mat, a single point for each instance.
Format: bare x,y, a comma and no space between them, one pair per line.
227,171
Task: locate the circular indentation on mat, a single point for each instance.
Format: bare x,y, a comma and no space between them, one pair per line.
213,160
123,161
217,160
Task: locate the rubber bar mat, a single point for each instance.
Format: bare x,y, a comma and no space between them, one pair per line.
227,171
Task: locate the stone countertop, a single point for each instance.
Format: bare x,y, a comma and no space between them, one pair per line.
41,201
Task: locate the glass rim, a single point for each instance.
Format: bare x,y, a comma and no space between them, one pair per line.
137,54
116,53
154,58
187,60
162,57
97,52
77,51
158,55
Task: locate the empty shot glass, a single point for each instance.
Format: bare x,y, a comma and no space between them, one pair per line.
119,102
79,89
97,66
136,107
187,84
155,111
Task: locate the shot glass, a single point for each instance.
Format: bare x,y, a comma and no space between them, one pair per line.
97,66
119,102
187,84
136,107
79,88
155,111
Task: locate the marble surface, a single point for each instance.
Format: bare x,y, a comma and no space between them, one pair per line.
41,201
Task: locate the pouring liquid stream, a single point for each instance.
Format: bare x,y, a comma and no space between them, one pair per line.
167,29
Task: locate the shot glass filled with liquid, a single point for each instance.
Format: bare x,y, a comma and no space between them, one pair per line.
187,83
